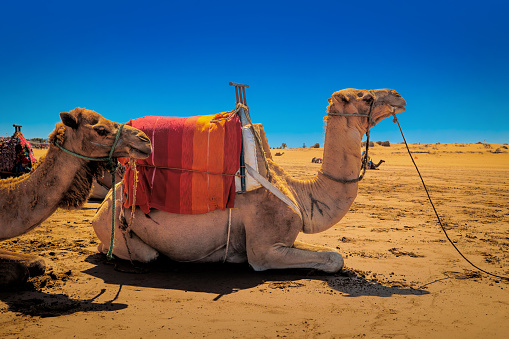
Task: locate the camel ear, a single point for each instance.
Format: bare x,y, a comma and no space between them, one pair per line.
340,97
368,97
69,120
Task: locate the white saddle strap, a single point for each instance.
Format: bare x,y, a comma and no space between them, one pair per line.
265,183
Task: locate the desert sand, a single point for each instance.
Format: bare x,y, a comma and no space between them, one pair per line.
402,279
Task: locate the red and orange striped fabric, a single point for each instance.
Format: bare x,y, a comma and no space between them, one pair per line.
192,167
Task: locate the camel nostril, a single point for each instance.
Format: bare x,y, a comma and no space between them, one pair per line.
143,138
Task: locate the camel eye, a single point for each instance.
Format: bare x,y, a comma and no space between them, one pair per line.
360,94
101,131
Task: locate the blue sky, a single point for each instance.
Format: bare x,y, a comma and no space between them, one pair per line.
127,59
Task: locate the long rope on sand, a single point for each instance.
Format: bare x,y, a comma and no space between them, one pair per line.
434,209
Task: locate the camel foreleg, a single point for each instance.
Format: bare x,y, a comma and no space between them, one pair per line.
301,255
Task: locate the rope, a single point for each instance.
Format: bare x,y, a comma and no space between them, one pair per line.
228,235
79,155
434,209
112,238
132,163
188,170
257,138
228,115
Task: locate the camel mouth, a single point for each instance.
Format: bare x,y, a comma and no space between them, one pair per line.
398,109
139,154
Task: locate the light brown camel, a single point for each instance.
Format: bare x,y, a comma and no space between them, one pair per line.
60,180
263,228
102,185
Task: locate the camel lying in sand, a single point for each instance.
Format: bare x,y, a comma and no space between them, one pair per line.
60,180
262,229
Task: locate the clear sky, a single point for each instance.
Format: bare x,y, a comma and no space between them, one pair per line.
127,59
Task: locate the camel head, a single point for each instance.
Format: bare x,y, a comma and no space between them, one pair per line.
381,102
88,133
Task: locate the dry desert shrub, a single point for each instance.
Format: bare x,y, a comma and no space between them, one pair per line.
499,150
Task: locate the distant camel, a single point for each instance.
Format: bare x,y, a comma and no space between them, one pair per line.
61,179
316,160
374,166
278,154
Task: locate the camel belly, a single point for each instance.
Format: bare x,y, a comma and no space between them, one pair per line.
189,238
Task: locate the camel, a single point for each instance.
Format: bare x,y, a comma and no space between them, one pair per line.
60,179
374,166
261,229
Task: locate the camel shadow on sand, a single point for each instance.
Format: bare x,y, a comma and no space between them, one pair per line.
41,304
218,279
223,279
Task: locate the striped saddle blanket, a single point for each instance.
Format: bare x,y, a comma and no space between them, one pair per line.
192,167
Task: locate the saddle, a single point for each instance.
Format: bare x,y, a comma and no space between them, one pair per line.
16,154
192,167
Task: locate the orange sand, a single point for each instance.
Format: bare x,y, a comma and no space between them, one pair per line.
402,278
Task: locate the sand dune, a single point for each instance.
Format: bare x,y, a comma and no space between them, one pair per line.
402,278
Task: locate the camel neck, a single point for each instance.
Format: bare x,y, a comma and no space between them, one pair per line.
30,199
324,201
341,153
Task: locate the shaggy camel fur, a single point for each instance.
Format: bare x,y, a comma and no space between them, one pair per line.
59,180
264,229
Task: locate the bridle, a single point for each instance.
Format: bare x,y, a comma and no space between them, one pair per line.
112,162
364,160
112,167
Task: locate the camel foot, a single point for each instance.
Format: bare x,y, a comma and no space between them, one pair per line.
16,268
12,275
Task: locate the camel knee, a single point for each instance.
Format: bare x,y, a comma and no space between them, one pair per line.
130,248
334,263
126,246
262,261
